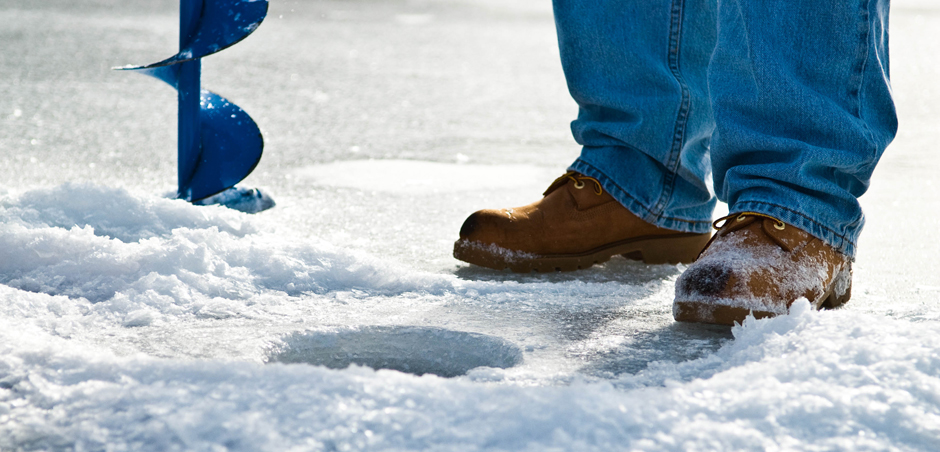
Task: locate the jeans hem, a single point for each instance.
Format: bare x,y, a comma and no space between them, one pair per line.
844,243
629,201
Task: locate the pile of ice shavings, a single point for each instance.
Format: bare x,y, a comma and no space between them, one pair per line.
135,260
806,381
144,258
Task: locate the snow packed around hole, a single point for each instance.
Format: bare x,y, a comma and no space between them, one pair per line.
797,382
338,320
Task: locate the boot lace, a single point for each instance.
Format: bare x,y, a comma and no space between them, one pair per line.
578,179
742,216
739,217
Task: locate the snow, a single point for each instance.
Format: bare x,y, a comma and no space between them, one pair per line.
811,385
131,321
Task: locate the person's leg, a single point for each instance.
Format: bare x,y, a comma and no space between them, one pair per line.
802,102
637,70
803,106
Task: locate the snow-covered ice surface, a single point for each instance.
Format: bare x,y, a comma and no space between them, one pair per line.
129,321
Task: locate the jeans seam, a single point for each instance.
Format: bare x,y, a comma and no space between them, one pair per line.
678,139
861,59
861,67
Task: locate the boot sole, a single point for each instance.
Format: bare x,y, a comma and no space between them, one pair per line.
674,249
703,312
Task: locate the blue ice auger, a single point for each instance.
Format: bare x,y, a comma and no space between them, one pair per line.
219,144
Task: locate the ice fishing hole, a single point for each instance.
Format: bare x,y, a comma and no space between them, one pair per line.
410,349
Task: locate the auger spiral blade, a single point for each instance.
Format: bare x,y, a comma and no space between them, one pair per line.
218,25
231,147
218,143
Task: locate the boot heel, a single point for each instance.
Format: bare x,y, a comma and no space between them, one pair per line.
833,301
673,250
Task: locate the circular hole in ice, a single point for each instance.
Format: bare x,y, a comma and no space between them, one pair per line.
410,349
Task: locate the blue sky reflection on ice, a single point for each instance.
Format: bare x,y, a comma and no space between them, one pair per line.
134,320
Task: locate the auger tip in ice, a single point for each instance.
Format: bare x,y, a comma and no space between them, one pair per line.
248,200
218,143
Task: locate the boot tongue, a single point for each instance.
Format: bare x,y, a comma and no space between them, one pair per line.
585,198
735,224
787,238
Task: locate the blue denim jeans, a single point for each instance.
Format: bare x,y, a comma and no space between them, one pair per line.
786,103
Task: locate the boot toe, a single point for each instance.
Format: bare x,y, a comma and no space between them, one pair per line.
709,279
759,265
485,226
470,226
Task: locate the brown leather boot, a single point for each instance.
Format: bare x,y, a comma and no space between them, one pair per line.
576,225
758,264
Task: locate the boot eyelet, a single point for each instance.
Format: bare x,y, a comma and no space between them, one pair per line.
741,218
578,184
780,226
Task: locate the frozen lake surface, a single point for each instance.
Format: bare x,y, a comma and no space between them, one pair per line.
130,321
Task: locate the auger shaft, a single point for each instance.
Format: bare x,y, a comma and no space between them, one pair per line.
189,144
218,144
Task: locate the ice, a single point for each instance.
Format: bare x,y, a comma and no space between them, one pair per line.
413,350
132,321
416,177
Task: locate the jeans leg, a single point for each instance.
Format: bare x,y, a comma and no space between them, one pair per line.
638,71
802,103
